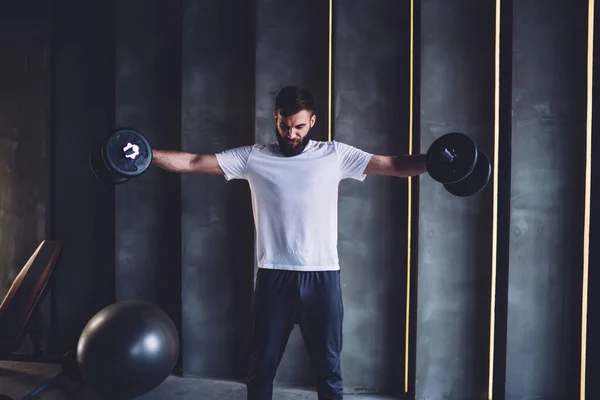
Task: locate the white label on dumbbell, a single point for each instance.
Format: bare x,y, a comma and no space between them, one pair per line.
135,153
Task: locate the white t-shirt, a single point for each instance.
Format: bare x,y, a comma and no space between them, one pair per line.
295,200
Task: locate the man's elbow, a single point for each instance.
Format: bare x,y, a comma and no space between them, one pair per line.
194,163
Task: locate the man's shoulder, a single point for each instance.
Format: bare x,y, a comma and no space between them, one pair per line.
251,147
322,145
269,147
332,144
262,149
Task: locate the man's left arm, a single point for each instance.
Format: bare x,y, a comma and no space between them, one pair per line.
402,166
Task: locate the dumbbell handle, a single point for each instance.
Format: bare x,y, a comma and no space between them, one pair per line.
131,151
448,155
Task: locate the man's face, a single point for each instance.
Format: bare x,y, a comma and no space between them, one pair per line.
293,131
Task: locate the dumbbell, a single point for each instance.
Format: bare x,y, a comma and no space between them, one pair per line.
123,155
455,161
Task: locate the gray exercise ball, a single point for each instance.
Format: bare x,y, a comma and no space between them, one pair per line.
127,349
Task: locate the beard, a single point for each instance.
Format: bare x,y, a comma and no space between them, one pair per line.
290,148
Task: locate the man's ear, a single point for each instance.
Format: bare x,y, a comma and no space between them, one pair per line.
313,119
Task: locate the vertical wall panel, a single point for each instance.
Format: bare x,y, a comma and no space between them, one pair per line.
592,388
292,44
217,230
372,109
455,234
24,132
503,200
82,207
25,83
148,98
548,169
292,48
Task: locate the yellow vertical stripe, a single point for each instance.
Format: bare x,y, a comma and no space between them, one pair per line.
495,201
409,234
588,188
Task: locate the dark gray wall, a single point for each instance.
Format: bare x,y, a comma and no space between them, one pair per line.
148,98
372,109
201,76
455,234
292,48
82,209
24,133
217,232
592,388
503,176
548,147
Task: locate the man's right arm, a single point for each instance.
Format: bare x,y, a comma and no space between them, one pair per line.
184,162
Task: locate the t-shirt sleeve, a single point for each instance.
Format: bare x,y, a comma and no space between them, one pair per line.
233,162
352,160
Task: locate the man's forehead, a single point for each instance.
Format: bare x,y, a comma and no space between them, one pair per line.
303,117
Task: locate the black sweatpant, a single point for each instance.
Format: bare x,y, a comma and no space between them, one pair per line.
313,300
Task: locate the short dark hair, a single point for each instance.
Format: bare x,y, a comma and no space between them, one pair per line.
293,99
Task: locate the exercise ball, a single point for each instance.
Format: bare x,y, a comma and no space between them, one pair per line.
127,349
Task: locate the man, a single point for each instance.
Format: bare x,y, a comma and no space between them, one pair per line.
298,280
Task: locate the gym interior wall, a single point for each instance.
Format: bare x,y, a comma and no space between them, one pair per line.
445,297
371,85
454,234
546,246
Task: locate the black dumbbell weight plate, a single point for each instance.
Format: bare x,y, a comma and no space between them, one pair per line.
101,171
127,152
465,158
476,181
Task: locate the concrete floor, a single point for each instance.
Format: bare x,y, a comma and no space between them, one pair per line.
18,379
